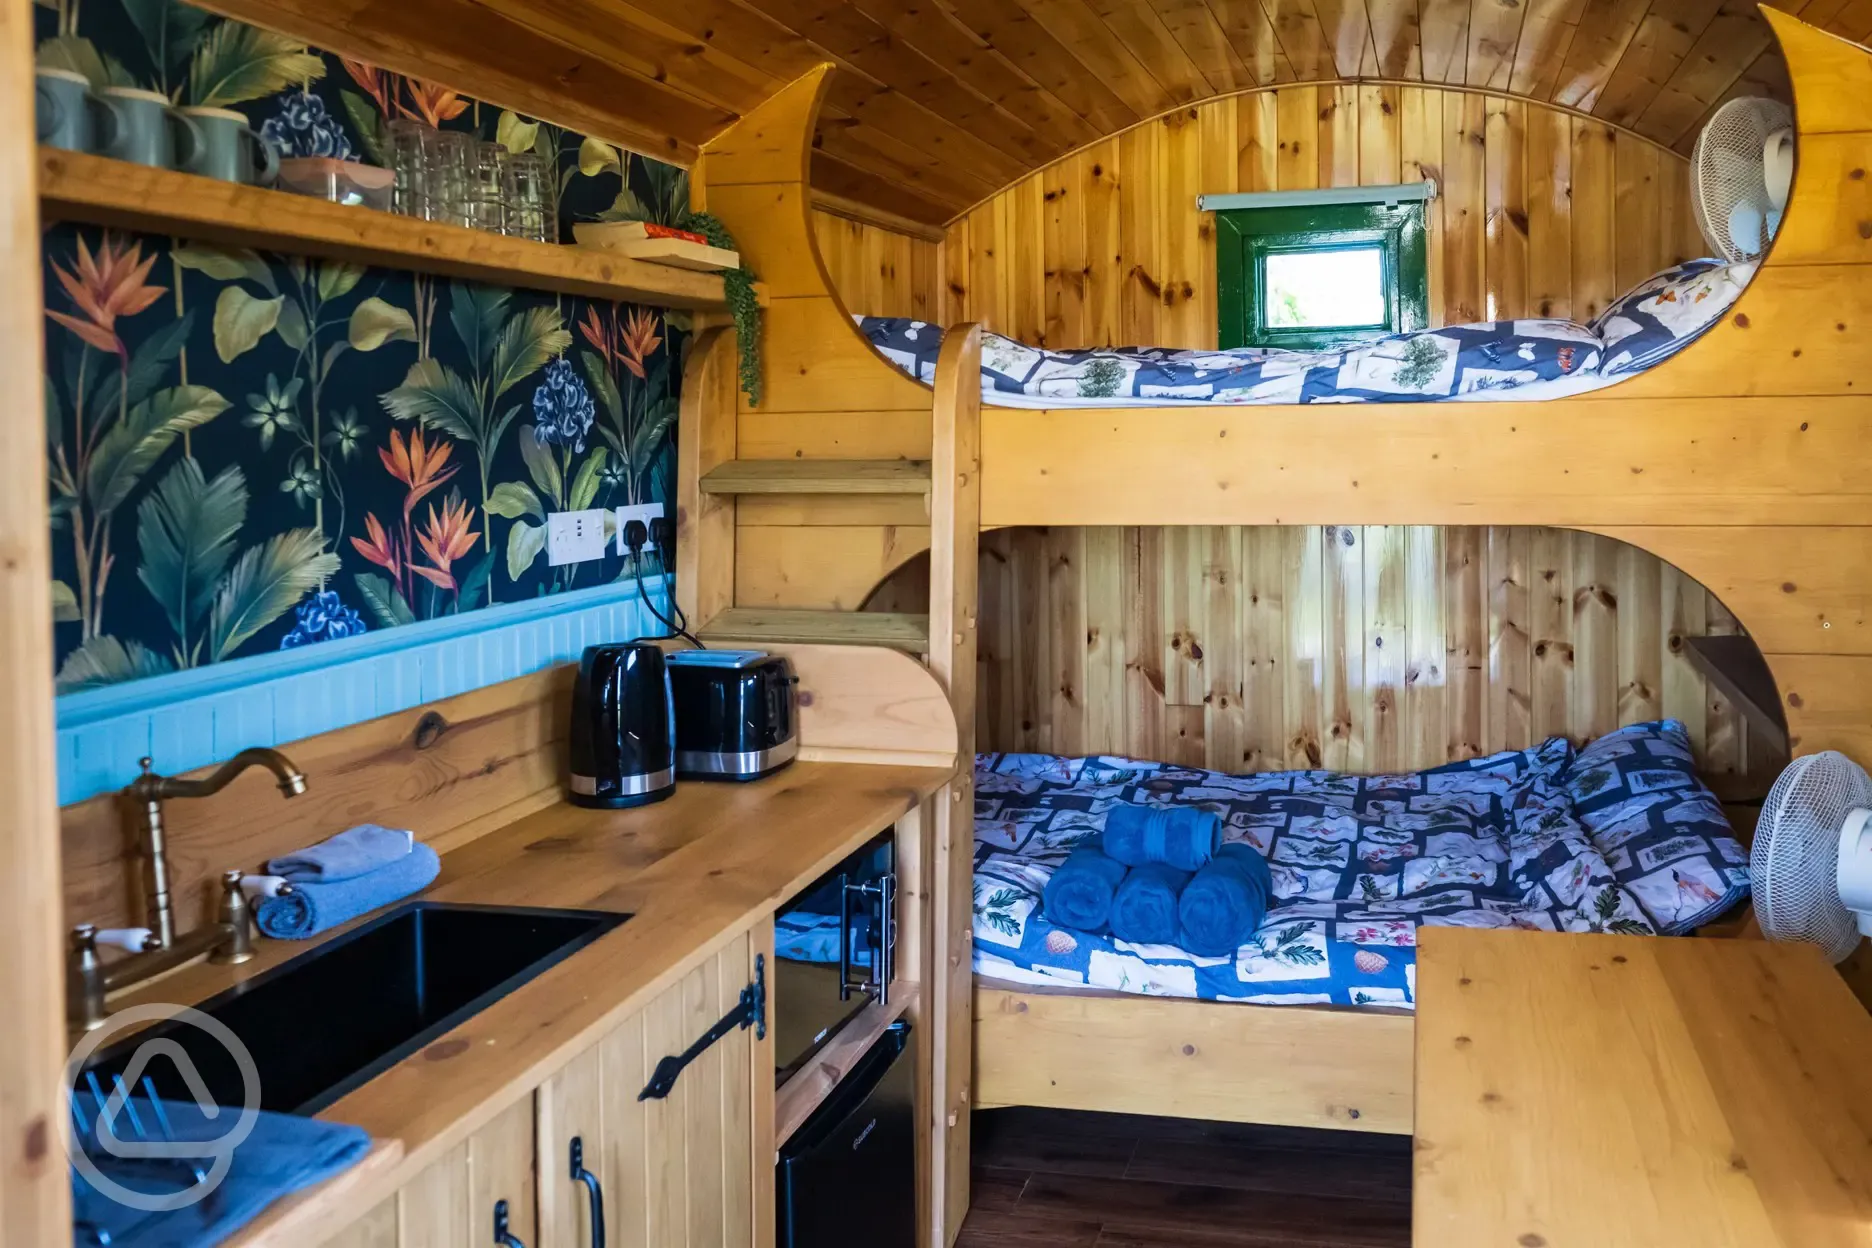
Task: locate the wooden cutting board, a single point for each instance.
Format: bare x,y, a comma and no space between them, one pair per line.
678,253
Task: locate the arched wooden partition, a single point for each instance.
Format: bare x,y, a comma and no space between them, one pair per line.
1738,461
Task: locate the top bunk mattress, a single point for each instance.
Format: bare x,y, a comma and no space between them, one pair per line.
1522,361
1618,837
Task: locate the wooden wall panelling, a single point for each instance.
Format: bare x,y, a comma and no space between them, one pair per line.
1369,648
1420,152
1541,212
878,271
450,770
1547,162
35,1195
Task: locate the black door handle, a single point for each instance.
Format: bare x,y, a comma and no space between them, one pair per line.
750,1012
502,1236
581,1175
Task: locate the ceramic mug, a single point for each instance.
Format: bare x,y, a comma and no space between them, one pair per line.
68,115
150,130
231,149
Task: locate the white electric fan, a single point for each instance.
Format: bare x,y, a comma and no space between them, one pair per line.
1812,860
1740,174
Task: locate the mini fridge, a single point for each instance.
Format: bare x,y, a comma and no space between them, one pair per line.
848,1175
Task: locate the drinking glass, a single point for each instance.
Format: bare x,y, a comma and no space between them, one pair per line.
486,187
529,199
410,144
445,177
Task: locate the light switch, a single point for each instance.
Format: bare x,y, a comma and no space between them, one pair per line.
575,536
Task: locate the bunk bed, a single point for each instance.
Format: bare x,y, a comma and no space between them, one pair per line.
1735,460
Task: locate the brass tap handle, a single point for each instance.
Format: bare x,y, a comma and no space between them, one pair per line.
85,990
236,918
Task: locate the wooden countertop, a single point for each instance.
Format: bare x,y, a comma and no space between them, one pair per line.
1610,1091
694,871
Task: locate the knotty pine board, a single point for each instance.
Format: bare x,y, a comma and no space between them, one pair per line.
878,272
1364,648
1542,212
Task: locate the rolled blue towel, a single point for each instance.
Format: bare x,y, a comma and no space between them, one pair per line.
280,1155
1079,895
1144,910
312,907
353,852
1225,902
1184,837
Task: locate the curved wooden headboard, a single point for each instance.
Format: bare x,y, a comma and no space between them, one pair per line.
1738,460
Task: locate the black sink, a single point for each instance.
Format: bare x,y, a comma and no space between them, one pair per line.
331,1019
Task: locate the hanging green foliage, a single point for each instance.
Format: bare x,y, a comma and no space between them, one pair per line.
738,286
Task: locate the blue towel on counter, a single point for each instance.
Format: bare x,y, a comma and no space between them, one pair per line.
1144,910
1080,893
313,907
282,1154
1225,902
353,852
1184,837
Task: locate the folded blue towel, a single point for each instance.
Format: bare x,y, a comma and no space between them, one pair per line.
1225,902
353,852
1144,909
1079,895
311,908
1185,837
279,1156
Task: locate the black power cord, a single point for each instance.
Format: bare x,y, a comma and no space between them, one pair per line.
635,535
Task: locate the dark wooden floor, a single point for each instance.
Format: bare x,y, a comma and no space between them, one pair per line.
1057,1179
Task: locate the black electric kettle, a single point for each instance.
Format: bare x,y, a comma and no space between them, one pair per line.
623,727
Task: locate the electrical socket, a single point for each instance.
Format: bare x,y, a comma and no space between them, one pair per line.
575,536
645,512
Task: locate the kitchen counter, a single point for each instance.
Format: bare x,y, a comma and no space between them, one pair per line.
695,871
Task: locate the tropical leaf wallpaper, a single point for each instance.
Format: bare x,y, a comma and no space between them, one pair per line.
251,452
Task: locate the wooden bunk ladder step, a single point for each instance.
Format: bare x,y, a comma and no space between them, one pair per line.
819,476
1735,666
774,625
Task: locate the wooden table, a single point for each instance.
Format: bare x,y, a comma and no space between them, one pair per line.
1613,1091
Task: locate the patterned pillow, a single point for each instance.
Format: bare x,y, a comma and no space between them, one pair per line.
1666,313
1661,831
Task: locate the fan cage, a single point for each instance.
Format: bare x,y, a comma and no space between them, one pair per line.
1795,859
1726,169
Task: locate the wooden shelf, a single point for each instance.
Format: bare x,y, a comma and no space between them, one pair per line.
796,1099
819,476
776,625
96,190
1736,667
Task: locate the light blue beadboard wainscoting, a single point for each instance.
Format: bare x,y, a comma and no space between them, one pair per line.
193,718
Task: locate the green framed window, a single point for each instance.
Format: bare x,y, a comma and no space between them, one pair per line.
1320,275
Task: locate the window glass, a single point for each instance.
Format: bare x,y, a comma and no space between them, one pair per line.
1327,289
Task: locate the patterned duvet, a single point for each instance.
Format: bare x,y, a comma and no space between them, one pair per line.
1618,837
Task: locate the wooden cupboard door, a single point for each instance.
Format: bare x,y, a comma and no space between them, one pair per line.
501,1166
571,1105
450,1203
678,1172
432,1208
376,1229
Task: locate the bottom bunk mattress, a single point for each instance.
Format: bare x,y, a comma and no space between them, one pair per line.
1618,837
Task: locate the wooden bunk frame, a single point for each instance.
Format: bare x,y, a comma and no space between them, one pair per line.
1737,461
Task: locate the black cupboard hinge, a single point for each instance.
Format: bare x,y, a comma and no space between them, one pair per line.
751,1011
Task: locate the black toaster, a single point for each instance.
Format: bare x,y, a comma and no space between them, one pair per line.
736,714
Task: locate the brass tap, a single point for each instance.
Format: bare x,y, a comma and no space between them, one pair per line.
227,941
148,792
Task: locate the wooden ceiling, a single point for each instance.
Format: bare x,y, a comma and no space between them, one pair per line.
938,103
